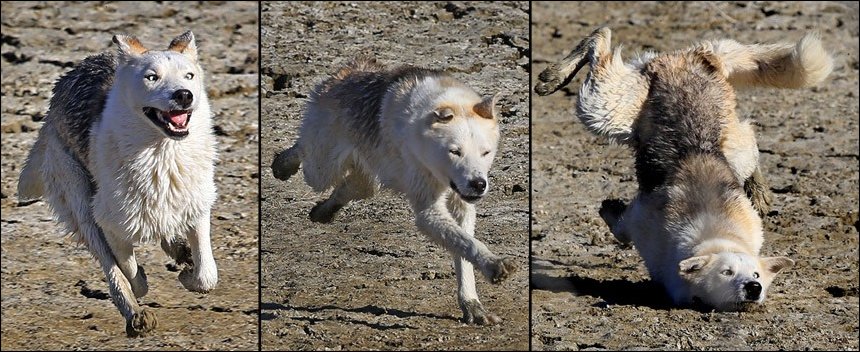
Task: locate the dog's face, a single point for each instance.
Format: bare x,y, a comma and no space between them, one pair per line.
731,281
164,87
461,143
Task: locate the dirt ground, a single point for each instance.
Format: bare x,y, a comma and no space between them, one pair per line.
53,293
589,293
370,280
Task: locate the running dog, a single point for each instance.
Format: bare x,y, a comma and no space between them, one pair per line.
126,156
415,131
696,161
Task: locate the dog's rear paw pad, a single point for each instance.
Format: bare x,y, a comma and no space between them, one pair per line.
502,269
474,313
612,207
322,214
283,167
550,81
141,324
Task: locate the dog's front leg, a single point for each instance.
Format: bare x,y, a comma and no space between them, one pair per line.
203,275
123,252
467,293
435,221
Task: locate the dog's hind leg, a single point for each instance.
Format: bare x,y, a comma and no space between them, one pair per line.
612,212
467,293
355,186
613,93
741,150
287,163
559,74
30,184
123,252
758,192
177,248
69,192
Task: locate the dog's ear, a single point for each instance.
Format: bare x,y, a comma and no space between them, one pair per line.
184,44
128,45
487,107
776,264
444,114
690,267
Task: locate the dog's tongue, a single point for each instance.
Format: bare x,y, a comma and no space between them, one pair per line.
178,117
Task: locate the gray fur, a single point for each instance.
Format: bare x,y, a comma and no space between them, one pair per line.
78,101
366,75
681,118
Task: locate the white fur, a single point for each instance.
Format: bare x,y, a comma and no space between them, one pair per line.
147,186
709,248
416,156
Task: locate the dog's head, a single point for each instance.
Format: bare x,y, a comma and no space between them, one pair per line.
163,86
459,140
730,281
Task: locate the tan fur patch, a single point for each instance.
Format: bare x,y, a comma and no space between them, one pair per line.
179,46
486,108
135,45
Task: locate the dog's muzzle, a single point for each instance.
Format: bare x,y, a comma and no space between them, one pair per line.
174,123
477,185
752,291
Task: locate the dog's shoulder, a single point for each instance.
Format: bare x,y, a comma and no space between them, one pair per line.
79,98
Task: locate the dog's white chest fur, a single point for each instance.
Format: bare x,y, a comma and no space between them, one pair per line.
150,187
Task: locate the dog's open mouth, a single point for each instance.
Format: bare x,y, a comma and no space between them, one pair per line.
470,199
174,123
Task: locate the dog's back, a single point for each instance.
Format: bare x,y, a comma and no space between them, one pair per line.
358,89
342,120
76,105
688,105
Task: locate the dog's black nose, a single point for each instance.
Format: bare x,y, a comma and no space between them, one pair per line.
753,290
183,97
478,184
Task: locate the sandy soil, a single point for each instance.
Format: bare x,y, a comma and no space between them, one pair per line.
53,293
589,293
370,280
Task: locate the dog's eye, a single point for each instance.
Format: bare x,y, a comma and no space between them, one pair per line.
755,275
727,272
456,152
151,77
189,75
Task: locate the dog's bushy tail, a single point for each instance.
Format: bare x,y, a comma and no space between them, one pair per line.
30,184
783,65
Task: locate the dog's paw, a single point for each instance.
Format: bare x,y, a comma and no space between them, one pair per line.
474,313
611,211
197,282
550,80
501,269
323,213
285,165
141,324
139,285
